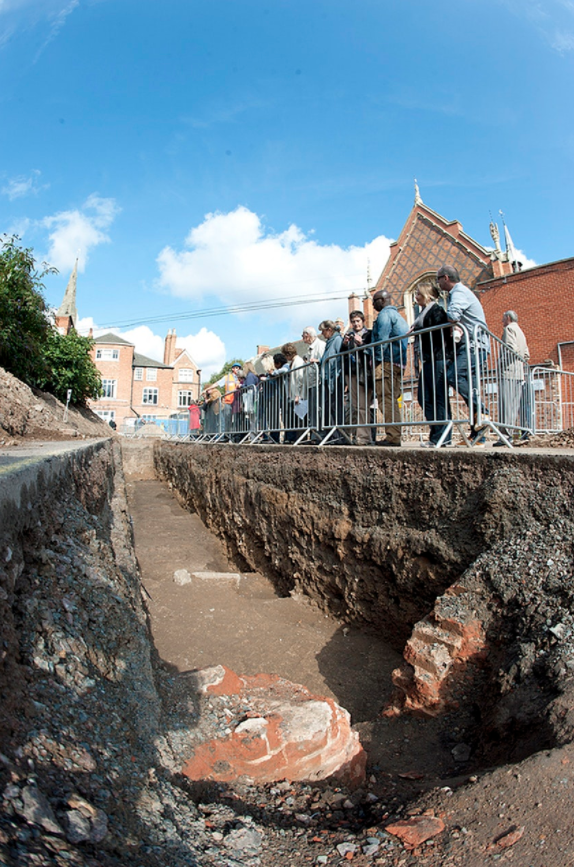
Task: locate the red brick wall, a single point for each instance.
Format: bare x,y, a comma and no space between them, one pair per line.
163,383
121,371
541,298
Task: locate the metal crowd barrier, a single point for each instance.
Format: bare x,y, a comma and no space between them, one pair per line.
422,386
550,399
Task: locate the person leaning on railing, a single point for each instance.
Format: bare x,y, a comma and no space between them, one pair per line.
357,369
231,383
211,409
390,360
465,309
276,394
312,358
332,404
433,349
296,391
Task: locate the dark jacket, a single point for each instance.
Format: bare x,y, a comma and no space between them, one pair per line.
434,344
358,361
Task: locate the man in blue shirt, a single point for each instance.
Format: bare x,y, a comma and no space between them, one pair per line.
464,309
390,359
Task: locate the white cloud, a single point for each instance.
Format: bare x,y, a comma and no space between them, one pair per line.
563,42
206,348
49,16
75,232
553,19
21,186
235,258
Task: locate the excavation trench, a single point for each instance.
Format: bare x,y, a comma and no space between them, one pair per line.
436,587
461,563
238,619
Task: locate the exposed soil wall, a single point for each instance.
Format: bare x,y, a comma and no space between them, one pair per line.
85,763
478,541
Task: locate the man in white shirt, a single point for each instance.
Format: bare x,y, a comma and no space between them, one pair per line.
465,309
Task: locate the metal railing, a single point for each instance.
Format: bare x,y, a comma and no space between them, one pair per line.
425,385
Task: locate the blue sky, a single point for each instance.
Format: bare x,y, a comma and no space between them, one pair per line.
202,155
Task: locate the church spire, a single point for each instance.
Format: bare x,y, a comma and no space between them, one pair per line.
510,248
418,200
68,305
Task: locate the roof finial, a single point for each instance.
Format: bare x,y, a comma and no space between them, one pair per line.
418,200
494,233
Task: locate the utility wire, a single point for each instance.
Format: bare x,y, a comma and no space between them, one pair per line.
289,301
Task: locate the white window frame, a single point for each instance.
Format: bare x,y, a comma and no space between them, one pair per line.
109,389
138,374
106,354
185,374
106,414
182,397
151,374
150,396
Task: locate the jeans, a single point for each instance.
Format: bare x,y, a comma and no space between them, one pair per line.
457,375
433,398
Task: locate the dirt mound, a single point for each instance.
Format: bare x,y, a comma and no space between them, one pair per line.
564,439
30,414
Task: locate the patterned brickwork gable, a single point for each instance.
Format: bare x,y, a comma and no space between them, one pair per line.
426,242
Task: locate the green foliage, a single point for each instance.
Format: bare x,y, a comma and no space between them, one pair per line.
224,370
71,367
30,347
24,323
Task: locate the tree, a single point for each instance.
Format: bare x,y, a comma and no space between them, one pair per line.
24,322
30,346
224,370
71,367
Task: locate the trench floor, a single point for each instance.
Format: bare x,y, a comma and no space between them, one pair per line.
242,623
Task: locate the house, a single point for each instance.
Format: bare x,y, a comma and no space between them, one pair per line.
135,386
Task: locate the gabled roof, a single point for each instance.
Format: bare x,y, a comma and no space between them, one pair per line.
144,361
112,338
426,242
180,354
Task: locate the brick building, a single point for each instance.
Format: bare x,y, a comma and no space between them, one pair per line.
135,386
428,241
549,328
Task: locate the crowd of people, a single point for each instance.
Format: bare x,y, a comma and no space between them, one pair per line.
347,384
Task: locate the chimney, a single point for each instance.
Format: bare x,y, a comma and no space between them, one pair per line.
354,303
169,348
261,349
368,311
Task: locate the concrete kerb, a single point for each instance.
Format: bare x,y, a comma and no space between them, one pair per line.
20,467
